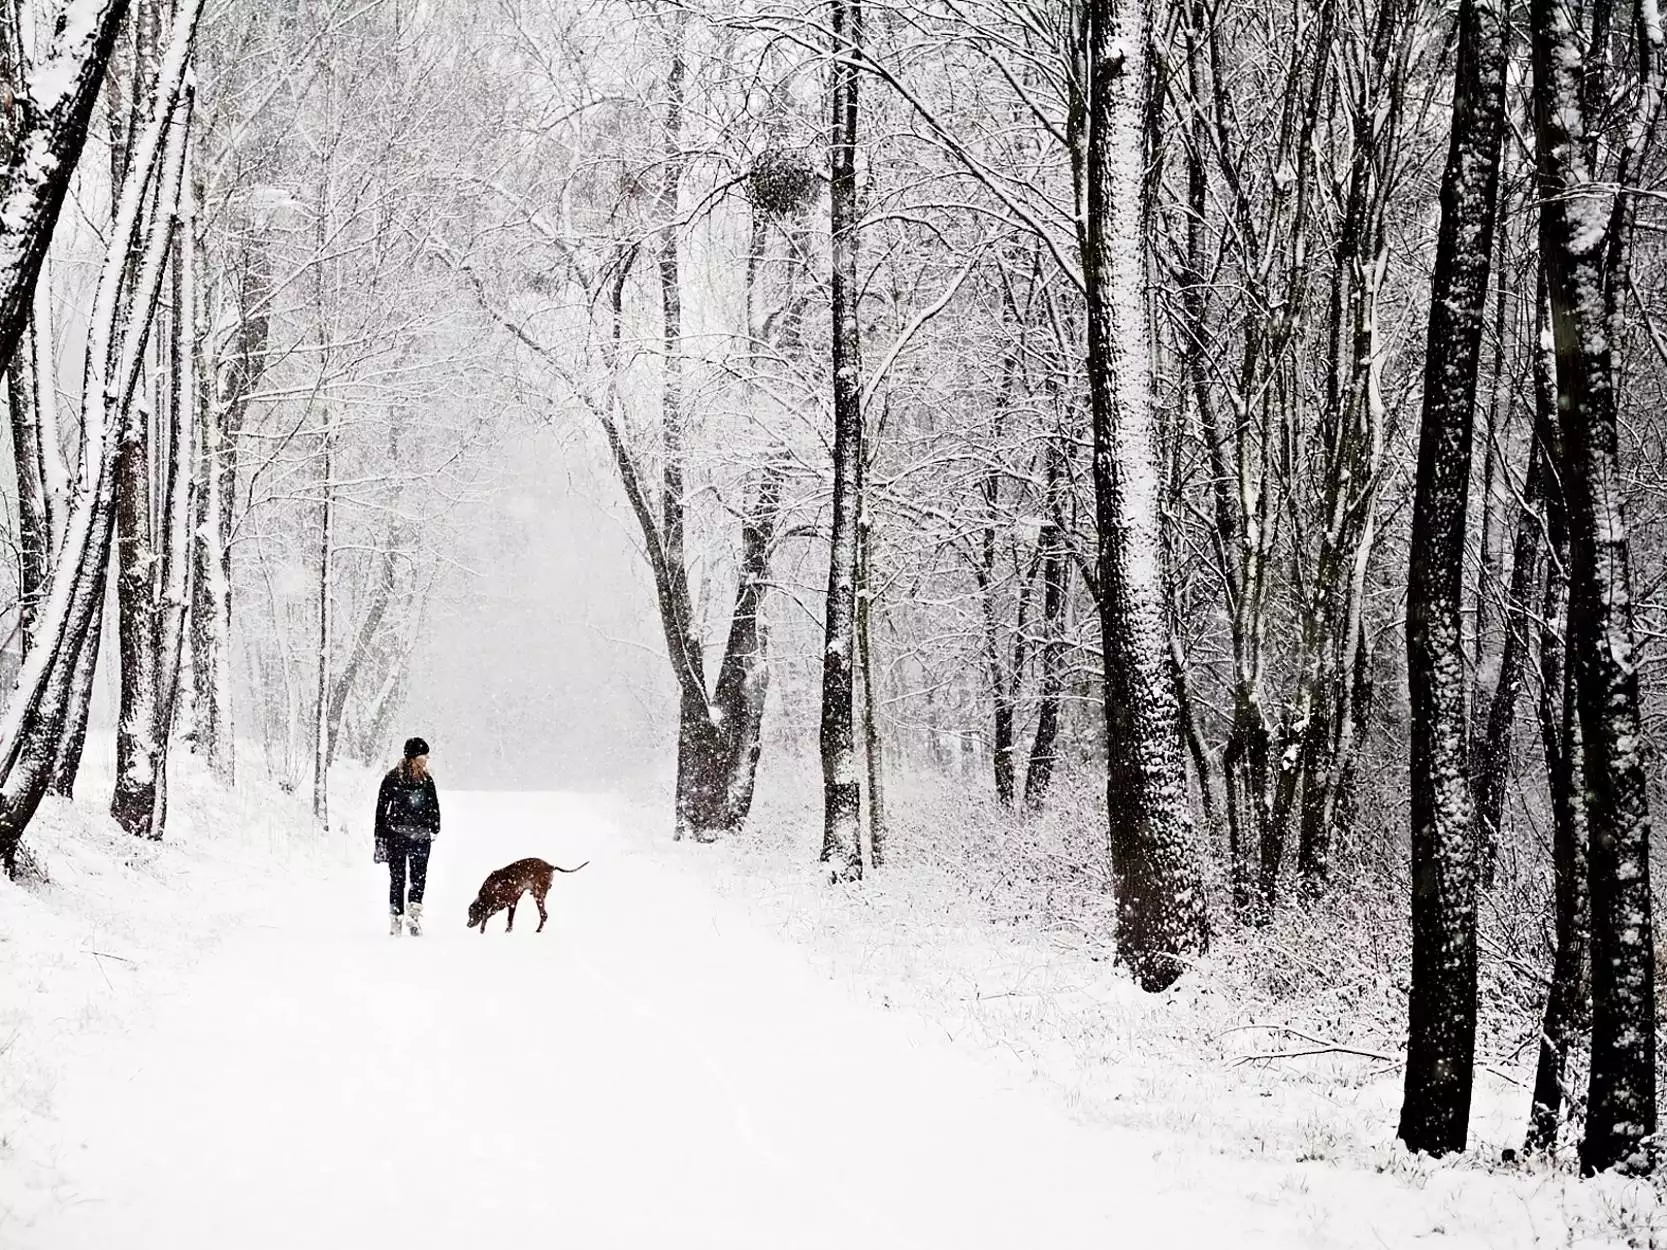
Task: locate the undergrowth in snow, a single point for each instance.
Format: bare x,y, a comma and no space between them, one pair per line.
1284,1044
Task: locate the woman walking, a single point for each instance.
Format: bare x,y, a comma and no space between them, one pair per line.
407,821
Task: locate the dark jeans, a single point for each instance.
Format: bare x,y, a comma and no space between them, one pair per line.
399,850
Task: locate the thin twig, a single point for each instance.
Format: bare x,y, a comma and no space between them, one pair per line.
107,955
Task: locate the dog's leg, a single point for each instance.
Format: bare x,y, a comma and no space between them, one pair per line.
542,914
510,927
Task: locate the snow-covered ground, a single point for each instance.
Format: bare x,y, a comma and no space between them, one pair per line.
214,1043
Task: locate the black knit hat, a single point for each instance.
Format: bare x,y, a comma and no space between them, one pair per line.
415,747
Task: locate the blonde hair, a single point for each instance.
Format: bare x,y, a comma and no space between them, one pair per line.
415,768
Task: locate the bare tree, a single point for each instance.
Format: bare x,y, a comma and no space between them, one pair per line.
1585,244
1569,1000
1435,1111
49,695
1160,899
841,789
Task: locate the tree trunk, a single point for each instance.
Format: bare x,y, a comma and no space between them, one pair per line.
744,676
34,527
45,701
364,638
139,562
72,743
717,759
223,401
841,789
873,751
322,747
136,751
173,571
210,732
699,750
56,109
1494,765
1583,246
1224,532
1568,1005
1161,922
1254,830
1441,1041
1004,678
1056,572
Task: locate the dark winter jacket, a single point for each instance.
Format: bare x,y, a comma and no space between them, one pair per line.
408,809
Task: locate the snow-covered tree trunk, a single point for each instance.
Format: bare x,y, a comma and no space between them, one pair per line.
210,730
172,579
229,377
136,559
146,523
744,675
698,749
873,749
56,106
841,787
34,528
1351,434
23,384
1441,1043
50,695
1161,921
1056,571
1585,229
1568,1004
326,638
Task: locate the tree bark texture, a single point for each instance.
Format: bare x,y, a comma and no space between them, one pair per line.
148,521
1568,1004
1056,572
56,108
1161,921
48,692
223,399
841,787
1585,227
1435,1110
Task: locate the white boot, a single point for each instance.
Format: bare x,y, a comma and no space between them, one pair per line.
393,923
414,920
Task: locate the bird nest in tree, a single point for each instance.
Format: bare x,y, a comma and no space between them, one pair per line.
781,184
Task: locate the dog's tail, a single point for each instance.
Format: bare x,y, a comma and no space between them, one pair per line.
559,868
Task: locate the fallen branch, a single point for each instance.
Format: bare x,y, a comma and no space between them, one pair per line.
1317,1046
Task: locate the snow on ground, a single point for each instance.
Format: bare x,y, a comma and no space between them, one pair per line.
251,1061
1027,984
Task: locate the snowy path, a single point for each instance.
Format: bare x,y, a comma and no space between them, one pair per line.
645,1073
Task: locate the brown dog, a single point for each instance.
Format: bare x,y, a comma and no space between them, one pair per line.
505,887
